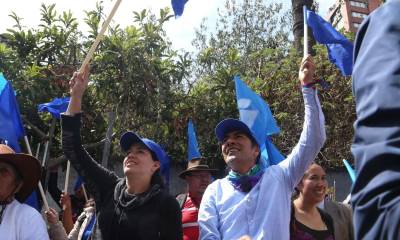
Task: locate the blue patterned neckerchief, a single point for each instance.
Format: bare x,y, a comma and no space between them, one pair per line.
245,182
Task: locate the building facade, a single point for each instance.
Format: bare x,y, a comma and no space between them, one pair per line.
348,14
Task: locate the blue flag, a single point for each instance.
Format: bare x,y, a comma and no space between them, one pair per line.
55,107
256,114
340,49
193,146
87,233
350,170
11,127
78,183
178,6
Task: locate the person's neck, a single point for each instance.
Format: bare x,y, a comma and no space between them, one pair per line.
195,195
244,170
136,184
304,206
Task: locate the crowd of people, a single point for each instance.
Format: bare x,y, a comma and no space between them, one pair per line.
283,201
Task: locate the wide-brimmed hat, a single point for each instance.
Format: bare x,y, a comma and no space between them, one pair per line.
27,167
230,125
129,138
196,165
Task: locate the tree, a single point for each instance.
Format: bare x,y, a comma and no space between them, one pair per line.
269,65
134,73
298,25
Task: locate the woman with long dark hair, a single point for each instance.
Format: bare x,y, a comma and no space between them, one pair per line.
307,221
133,207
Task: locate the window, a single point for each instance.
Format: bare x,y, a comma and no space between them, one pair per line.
356,25
338,22
358,15
358,4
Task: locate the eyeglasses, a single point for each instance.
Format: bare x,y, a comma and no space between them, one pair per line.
200,175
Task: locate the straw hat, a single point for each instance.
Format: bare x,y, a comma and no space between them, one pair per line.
196,165
27,167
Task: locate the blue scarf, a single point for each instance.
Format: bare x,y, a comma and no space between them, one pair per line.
245,182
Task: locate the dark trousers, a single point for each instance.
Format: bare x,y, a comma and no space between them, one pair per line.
376,147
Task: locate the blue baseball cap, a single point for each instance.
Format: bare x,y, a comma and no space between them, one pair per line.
229,125
130,138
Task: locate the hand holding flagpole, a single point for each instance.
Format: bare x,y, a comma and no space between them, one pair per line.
99,36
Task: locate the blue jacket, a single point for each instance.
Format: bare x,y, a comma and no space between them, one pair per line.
376,147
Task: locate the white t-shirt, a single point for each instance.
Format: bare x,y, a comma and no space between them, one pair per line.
22,222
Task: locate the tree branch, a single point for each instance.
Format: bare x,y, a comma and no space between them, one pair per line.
62,159
41,134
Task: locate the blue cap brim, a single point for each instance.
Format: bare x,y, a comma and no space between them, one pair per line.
230,125
128,139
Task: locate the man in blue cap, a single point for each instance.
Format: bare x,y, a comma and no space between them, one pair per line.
253,200
376,86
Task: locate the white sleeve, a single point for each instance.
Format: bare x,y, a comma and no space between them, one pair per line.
32,225
208,216
311,140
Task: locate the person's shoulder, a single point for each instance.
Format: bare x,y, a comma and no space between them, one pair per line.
168,202
337,205
217,183
167,199
23,208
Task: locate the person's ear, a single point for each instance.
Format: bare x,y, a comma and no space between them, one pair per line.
156,166
257,151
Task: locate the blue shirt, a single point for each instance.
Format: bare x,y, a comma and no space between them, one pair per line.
264,212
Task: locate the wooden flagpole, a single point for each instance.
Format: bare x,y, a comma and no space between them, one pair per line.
96,42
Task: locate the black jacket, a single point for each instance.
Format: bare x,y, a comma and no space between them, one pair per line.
151,215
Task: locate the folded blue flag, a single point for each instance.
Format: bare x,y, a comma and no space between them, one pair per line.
340,49
78,183
178,6
55,107
350,170
256,114
193,146
11,127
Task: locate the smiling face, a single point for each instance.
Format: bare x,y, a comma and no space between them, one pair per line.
9,183
314,184
139,161
239,152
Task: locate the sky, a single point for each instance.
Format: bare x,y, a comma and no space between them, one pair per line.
181,31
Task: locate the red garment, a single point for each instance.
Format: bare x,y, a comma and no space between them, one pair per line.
190,225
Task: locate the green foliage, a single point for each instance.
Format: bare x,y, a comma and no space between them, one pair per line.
134,73
250,39
154,89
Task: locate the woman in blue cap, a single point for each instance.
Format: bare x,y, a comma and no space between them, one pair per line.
133,207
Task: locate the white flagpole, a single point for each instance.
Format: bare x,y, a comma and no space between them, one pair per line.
67,177
305,51
99,36
38,151
46,205
46,147
84,192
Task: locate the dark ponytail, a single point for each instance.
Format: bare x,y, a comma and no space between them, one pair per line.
157,179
